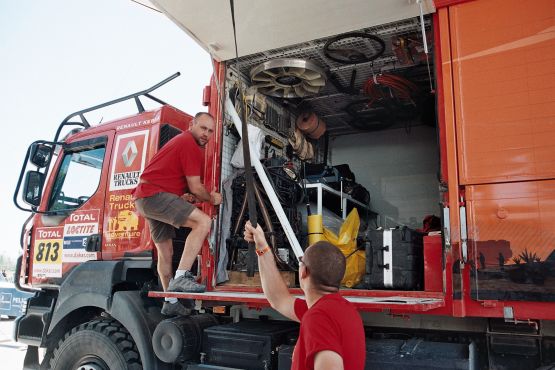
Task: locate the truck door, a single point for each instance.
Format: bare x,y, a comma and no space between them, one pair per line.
69,232
503,56
124,232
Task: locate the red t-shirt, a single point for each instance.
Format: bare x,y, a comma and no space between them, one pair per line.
333,324
166,171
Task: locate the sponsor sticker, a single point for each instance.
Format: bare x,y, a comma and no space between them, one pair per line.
129,160
123,221
47,252
78,227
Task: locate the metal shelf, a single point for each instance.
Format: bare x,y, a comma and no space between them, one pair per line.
320,188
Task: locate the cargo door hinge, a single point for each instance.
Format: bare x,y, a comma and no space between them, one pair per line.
447,227
464,231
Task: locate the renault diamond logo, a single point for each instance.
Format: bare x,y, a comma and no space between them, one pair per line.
129,153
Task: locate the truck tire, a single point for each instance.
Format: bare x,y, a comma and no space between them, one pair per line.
101,344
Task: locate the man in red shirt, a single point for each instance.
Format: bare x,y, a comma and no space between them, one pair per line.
331,334
169,184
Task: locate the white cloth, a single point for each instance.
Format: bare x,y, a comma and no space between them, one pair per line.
256,139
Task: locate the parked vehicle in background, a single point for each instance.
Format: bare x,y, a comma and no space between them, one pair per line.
13,302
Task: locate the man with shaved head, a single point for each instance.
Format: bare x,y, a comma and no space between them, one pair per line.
331,334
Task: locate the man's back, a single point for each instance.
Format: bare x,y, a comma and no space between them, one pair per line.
331,324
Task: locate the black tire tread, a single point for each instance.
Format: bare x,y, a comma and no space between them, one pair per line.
115,332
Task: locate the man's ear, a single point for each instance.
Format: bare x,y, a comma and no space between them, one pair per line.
304,273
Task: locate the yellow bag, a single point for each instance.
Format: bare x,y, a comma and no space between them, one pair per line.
347,243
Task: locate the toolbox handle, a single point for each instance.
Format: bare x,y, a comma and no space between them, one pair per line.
380,263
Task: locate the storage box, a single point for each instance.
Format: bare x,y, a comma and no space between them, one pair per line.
285,357
415,353
247,344
394,259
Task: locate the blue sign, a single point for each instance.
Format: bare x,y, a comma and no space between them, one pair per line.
13,302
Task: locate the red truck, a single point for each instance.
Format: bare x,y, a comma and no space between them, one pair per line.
441,107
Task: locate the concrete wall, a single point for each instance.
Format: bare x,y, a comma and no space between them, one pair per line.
398,168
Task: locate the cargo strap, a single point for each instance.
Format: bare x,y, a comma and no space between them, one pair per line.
249,177
270,192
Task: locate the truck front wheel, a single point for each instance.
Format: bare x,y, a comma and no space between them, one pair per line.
101,344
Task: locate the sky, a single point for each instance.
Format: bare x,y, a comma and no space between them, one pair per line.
58,57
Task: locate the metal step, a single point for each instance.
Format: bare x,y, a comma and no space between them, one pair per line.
427,303
31,328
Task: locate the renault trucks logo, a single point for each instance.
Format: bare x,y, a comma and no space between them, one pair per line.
128,160
129,153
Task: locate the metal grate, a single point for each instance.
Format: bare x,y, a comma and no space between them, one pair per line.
330,102
229,145
167,132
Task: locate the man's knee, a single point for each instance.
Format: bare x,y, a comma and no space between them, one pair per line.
205,223
199,221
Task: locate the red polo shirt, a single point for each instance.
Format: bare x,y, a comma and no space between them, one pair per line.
167,170
333,324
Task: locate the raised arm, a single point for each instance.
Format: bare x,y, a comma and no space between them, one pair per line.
273,285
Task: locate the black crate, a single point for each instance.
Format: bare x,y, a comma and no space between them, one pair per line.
209,367
247,345
394,259
285,356
415,353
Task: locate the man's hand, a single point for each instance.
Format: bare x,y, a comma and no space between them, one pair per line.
255,235
189,198
215,198
272,283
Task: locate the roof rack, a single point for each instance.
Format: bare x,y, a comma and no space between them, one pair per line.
84,123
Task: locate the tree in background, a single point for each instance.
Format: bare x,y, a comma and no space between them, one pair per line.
7,265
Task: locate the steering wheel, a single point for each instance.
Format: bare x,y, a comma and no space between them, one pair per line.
352,51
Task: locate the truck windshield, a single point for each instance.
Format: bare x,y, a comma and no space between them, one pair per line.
77,179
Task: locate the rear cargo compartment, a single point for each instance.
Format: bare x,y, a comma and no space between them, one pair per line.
346,123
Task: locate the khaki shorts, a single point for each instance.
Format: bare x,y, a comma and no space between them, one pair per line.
164,212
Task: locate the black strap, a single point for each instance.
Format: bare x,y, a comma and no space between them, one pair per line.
249,177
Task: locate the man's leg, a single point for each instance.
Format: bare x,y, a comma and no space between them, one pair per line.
184,281
160,217
165,254
200,224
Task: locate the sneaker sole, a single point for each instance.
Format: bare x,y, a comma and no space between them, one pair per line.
180,290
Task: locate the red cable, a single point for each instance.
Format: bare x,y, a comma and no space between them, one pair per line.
396,87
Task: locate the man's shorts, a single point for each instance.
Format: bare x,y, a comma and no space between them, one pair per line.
164,212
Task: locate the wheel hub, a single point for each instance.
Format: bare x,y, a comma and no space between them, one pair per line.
92,363
89,367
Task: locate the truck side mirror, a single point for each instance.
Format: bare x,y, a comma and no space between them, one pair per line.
41,154
32,188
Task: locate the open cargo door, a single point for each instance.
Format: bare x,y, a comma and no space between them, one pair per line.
209,22
505,111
